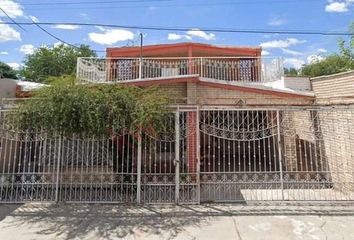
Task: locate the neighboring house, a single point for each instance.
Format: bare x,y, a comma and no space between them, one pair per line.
11,90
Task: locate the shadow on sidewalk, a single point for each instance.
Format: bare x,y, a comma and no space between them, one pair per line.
69,221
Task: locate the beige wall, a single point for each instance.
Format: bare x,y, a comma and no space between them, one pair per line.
297,83
7,88
334,89
176,92
337,128
301,141
194,93
217,96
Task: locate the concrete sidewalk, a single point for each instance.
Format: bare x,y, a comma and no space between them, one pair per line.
212,221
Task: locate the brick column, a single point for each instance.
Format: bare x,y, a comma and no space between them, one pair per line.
289,139
192,141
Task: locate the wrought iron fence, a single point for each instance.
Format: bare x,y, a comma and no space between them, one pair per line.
205,155
241,69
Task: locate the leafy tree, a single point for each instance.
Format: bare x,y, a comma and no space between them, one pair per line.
6,71
347,49
57,61
330,65
290,72
336,62
91,110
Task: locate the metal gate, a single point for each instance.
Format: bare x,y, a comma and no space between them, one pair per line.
169,171
144,167
277,155
203,155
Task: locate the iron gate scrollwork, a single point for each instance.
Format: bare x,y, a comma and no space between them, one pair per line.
204,155
239,156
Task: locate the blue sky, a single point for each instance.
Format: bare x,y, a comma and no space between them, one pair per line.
333,15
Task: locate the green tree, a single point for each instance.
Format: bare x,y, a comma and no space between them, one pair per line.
332,64
347,48
53,62
290,72
6,71
336,62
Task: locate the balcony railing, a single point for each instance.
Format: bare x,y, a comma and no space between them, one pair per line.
235,69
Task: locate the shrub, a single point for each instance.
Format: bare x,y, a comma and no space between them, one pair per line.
89,110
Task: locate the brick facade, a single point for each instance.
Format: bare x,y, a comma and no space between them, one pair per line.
337,125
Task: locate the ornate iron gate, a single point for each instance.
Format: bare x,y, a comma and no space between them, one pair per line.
208,154
277,155
239,156
126,168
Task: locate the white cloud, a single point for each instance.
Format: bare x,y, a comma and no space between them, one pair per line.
111,36
57,44
100,28
193,33
265,53
294,62
337,6
276,21
291,52
174,36
322,50
4,53
314,58
33,18
12,8
15,66
27,49
7,33
201,34
282,43
66,26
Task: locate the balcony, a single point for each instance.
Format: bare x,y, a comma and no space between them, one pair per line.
233,69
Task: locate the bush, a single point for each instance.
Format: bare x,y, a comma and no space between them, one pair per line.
89,110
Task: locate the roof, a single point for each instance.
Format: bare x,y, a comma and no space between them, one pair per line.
216,50
29,86
238,86
336,75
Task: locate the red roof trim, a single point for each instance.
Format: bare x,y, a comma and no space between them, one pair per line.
150,49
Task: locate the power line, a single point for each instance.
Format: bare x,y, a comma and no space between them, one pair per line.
184,29
59,39
12,20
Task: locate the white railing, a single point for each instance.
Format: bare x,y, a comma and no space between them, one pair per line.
240,69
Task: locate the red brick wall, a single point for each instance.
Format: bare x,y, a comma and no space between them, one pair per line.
192,141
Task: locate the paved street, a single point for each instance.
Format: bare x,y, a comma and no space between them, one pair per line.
80,221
